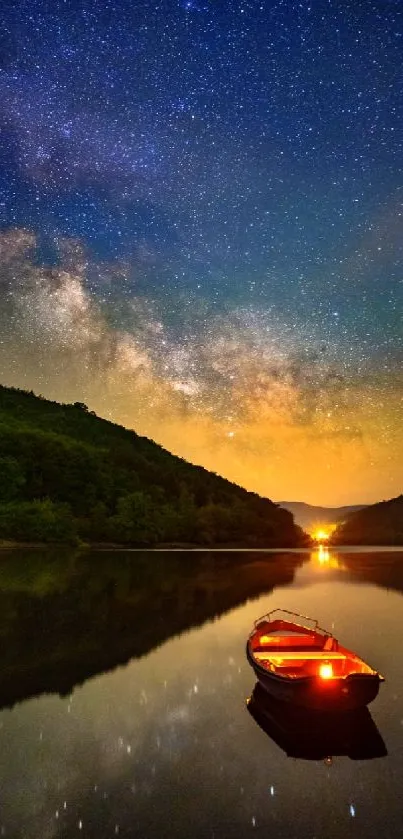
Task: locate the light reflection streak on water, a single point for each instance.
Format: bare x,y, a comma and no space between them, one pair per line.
324,557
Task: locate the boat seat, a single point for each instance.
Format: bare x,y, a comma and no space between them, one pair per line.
294,655
297,640
277,648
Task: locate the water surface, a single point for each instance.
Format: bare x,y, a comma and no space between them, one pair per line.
123,688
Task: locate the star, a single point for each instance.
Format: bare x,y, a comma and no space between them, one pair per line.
201,210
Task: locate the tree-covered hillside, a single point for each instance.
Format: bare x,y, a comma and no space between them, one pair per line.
67,474
379,524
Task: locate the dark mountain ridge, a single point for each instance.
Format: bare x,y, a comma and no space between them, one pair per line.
379,524
66,474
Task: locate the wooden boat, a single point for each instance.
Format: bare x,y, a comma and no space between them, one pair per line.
309,735
297,661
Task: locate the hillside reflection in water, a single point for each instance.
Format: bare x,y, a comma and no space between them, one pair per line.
123,683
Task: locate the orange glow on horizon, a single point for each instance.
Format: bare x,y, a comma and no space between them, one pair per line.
237,399
321,535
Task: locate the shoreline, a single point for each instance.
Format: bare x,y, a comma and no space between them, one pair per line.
163,546
9,545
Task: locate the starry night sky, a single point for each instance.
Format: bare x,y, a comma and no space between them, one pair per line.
201,229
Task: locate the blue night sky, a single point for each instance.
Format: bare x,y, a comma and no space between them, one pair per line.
201,228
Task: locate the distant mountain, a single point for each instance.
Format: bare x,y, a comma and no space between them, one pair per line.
308,516
66,475
378,524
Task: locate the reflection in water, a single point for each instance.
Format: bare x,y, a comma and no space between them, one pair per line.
163,746
329,559
316,736
65,616
323,554
376,566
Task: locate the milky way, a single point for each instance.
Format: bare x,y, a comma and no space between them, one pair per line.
201,227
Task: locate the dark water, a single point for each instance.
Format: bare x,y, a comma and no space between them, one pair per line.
123,687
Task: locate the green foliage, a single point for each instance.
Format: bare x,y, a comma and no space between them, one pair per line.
37,521
12,478
65,472
136,519
378,524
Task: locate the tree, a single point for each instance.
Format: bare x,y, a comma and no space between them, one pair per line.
136,519
37,521
12,479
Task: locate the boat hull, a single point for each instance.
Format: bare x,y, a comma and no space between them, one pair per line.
344,694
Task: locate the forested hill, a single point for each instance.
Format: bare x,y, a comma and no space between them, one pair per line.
67,474
379,524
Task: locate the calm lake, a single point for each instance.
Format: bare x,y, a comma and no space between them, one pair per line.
123,688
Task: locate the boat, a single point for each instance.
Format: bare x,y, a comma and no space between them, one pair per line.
308,735
297,661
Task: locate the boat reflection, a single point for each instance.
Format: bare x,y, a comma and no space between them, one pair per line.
310,735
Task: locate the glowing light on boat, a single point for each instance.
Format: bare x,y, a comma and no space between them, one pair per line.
326,671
